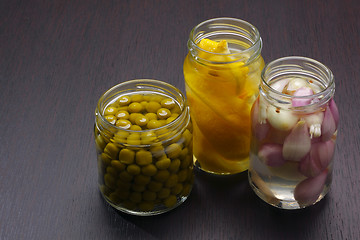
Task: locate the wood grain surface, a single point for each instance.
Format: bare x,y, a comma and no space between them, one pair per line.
57,57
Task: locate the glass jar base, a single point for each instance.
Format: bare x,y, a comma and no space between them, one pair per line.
198,166
287,202
156,211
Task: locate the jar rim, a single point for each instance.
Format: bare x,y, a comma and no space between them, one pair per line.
295,65
236,25
141,84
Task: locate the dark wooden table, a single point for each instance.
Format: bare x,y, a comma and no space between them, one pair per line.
57,57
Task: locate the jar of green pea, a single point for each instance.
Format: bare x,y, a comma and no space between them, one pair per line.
143,138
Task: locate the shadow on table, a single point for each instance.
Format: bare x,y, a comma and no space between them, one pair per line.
226,207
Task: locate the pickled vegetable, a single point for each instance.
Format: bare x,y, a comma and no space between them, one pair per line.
139,172
221,93
292,150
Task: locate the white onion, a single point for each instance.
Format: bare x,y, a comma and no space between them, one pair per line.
281,119
314,122
298,144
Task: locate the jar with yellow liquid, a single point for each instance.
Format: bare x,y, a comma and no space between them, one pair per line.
222,74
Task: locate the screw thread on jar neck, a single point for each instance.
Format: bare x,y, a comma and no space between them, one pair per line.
148,86
297,67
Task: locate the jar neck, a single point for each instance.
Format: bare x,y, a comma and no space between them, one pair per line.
143,86
244,41
292,67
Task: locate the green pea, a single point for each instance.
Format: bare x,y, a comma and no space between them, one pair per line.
149,195
134,136
128,204
152,124
125,176
111,119
127,156
170,201
144,104
123,108
174,165
122,114
112,150
135,107
177,189
142,179
147,134
124,100
143,157
187,135
114,198
141,120
147,97
136,98
173,151
170,119
100,142
111,170
168,103
133,169
121,135
155,186
148,138
176,109
162,175
186,162
177,138
133,117
122,194
164,193
184,153
138,188
123,123
109,180
171,181
152,107
135,197
175,115
146,206
121,185
106,159
149,170
151,116
163,163
186,190
156,98
135,128
182,175
162,122
163,113
157,151
134,139
110,111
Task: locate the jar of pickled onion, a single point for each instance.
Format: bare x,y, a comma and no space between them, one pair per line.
222,73
294,129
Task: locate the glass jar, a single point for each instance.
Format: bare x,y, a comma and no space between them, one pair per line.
294,128
143,137
222,73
